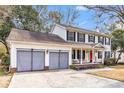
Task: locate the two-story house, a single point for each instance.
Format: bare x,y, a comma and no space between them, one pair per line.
87,46
58,49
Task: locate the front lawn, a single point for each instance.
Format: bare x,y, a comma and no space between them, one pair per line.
117,73
4,79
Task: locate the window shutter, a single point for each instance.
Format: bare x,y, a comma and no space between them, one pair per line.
74,36
67,36
88,38
109,41
84,37
105,40
94,39
77,36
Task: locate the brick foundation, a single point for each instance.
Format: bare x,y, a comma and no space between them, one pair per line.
46,67
12,70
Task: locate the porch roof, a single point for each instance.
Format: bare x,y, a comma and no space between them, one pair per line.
86,45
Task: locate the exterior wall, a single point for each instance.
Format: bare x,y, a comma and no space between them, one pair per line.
14,46
86,38
60,31
96,39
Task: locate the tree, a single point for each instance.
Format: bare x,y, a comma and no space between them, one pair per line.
118,42
26,17
5,24
67,17
109,13
22,17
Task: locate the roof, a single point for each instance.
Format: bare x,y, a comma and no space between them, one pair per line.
82,30
38,37
87,45
43,37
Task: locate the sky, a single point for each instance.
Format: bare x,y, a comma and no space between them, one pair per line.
86,18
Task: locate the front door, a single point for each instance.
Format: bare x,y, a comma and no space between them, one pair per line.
90,56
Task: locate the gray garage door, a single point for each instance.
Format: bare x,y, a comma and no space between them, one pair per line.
38,60
24,60
28,60
58,60
53,60
64,60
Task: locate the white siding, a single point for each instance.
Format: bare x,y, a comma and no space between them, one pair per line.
14,46
86,38
96,39
60,31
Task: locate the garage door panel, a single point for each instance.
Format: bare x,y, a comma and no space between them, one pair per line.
53,60
64,60
24,60
38,60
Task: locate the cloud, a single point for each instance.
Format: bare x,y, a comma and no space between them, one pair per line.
82,23
81,8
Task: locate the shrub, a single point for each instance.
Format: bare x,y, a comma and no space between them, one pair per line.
109,61
72,67
2,50
5,62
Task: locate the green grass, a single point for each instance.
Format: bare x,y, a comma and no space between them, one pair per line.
1,72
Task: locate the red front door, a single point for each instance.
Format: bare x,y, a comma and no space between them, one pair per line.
90,56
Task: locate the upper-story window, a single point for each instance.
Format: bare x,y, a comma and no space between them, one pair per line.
70,36
91,38
81,37
107,41
101,40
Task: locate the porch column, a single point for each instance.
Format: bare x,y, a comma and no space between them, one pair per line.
103,56
81,56
70,56
87,55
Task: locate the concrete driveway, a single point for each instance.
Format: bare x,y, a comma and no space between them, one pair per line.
61,79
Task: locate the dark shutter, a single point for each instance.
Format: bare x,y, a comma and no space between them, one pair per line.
88,38
74,36
94,39
98,39
84,37
109,41
77,36
105,40
67,35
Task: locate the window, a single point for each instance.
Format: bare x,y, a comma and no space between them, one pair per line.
73,54
70,36
78,54
81,37
99,54
107,41
101,40
107,54
91,38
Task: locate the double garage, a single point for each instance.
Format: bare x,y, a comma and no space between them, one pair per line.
34,59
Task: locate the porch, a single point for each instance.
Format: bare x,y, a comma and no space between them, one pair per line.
88,55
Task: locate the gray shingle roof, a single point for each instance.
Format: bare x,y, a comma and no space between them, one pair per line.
38,37
73,28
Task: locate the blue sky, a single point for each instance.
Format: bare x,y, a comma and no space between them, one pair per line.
85,20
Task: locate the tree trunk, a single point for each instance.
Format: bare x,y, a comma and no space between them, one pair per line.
118,57
114,56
